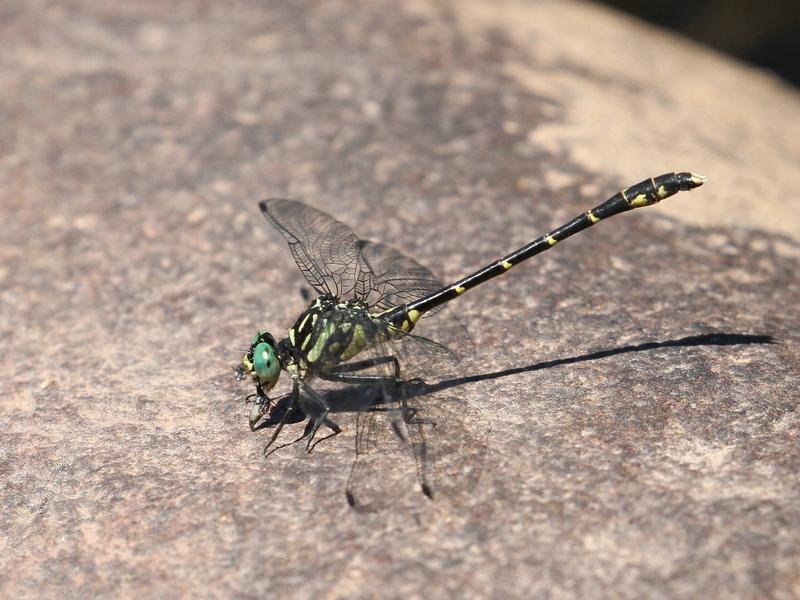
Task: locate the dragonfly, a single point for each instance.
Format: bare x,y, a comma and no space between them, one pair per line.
361,325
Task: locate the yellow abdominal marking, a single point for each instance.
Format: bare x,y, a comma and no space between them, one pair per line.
551,240
698,179
506,265
640,200
592,217
408,323
662,192
460,290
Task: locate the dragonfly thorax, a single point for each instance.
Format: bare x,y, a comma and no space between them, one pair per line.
328,332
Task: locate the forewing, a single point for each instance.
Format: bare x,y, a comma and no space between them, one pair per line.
394,278
325,250
334,261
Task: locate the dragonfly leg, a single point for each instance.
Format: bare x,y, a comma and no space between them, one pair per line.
317,409
261,405
310,431
343,373
306,433
335,430
294,395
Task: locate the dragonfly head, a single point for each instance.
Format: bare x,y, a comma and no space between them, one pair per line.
261,361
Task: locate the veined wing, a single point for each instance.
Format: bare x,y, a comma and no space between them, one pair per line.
394,278
381,465
335,261
325,250
445,435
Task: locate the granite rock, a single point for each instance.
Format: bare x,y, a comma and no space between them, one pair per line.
635,389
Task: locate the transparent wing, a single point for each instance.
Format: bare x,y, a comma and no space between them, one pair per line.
379,476
394,278
334,261
446,435
325,250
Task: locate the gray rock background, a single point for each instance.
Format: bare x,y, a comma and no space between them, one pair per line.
645,442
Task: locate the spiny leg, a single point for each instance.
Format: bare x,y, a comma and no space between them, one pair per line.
261,406
318,419
342,374
308,431
335,430
294,394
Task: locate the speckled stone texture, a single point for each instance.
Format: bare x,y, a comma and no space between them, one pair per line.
639,407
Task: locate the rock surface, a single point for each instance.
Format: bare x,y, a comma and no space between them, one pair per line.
639,405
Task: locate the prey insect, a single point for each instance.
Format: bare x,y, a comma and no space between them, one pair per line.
370,298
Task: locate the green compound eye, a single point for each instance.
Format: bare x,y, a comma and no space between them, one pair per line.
266,364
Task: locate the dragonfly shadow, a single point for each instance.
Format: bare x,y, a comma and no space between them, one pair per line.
370,397
347,399
449,462
708,339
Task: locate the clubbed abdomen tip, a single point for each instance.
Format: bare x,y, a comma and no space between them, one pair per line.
697,179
